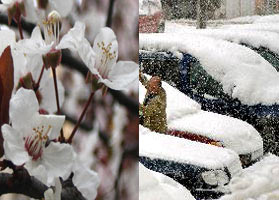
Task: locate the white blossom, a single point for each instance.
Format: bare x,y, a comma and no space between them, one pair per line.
102,59
26,142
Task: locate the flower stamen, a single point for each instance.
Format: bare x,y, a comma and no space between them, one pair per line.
107,56
52,26
35,143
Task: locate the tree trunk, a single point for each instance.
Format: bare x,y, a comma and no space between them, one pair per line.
201,14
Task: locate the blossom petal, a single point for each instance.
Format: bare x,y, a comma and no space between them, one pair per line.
76,41
122,75
86,180
105,37
63,7
7,37
73,38
36,169
14,145
55,122
50,195
34,45
23,106
58,159
7,1
48,94
31,11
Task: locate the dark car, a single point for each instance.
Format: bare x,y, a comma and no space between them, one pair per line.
203,169
189,76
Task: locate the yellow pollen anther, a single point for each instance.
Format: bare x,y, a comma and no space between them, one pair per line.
106,51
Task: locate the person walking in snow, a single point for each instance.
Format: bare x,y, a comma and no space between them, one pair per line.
153,109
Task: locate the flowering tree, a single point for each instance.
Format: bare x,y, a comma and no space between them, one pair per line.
33,142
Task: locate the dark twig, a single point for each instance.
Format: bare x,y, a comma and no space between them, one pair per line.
81,117
56,89
20,29
40,78
110,12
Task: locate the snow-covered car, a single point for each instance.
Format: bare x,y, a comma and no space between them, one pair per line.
186,119
154,185
203,169
151,17
258,182
263,42
223,77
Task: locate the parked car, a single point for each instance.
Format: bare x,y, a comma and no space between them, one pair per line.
154,185
185,119
203,169
223,77
263,42
151,17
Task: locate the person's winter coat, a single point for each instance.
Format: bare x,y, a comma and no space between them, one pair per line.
153,109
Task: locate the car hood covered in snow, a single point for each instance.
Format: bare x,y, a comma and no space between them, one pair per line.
154,185
233,133
167,147
244,74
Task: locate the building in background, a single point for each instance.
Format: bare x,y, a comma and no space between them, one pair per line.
239,8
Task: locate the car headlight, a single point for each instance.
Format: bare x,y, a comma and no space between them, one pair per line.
215,177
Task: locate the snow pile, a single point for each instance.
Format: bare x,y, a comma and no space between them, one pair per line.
258,182
233,133
178,104
254,38
160,146
272,27
243,73
154,185
149,7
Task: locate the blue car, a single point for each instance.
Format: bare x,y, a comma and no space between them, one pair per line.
185,72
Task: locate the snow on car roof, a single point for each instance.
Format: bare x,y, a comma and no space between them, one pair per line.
254,38
255,19
154,185
155,145
243,73
174,98
258,182
235,134
149,7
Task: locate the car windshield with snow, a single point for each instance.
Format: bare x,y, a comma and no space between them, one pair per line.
203,169
186,119
223,77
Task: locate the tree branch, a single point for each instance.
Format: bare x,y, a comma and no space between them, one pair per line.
32,187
